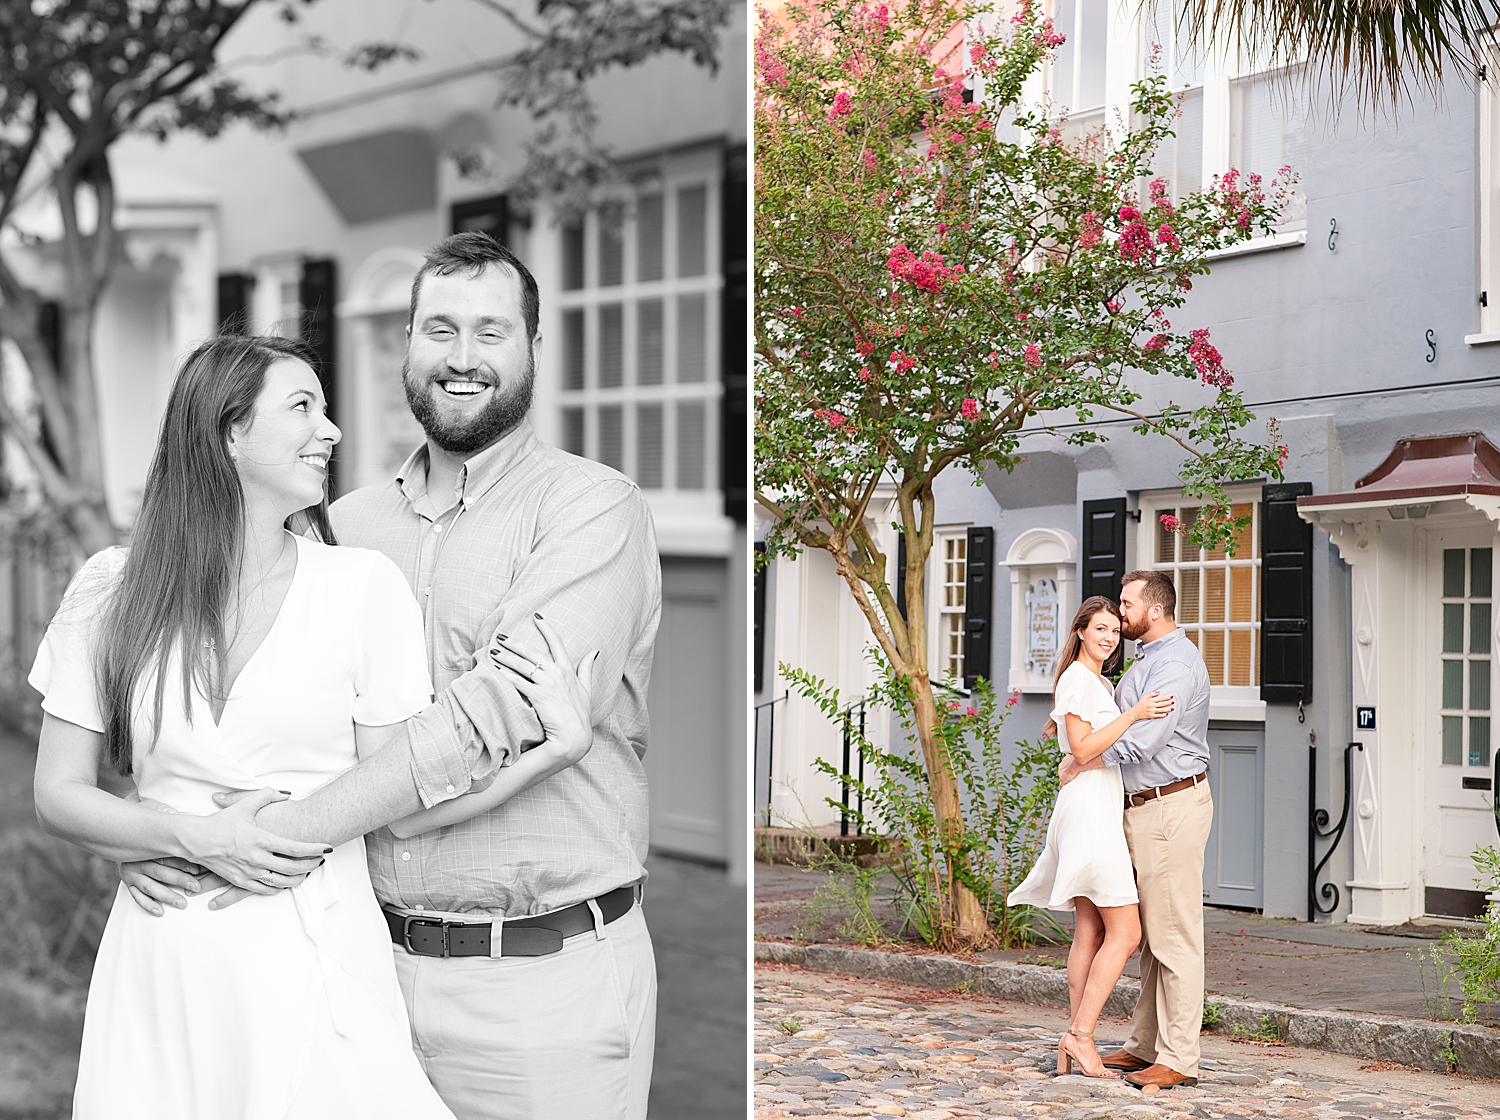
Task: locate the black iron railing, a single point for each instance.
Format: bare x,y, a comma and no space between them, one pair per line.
1318,829
768,706
849,741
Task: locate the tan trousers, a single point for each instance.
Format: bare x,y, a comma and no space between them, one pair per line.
568,1036
1167,837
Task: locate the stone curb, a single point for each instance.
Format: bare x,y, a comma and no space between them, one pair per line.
1384,1038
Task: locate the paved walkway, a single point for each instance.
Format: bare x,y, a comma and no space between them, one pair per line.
830,1047
1317,966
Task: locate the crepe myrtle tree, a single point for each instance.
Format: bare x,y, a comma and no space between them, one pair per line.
940,269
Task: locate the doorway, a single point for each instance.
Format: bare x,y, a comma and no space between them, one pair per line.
1233,863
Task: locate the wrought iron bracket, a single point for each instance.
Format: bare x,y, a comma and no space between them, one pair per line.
1318,829
856,745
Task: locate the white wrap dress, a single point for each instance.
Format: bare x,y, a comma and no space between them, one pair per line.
282,1006
1085,852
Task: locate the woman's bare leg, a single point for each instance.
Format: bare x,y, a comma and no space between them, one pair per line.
1122,934
1088,936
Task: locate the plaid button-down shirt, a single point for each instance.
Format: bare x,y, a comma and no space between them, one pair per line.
531,529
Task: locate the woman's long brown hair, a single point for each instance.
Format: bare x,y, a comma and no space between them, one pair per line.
188,540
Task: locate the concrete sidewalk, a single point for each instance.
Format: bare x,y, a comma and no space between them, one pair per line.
1278,961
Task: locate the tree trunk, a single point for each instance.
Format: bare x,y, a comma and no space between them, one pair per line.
971,928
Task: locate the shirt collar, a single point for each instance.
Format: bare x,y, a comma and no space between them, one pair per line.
1143,648
480,472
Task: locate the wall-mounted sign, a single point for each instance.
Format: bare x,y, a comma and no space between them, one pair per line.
1041,626
1364,719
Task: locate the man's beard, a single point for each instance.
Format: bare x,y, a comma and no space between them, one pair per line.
1133,631
507,408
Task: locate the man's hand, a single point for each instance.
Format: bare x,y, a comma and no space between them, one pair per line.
1068,769
154,883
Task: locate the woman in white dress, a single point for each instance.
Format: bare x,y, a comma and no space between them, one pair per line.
233,647
1085,863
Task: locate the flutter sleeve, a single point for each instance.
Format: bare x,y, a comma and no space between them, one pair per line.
391,681
1075,694
63,671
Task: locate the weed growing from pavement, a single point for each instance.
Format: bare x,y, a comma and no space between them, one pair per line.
790,1025
847,893
1438,1002
1267,1034
1477,959
1213,1014
1449,1055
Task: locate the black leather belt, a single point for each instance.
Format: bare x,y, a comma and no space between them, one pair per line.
519,937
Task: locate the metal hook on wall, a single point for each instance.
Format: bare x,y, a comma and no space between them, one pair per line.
1333,232
1431,346
1301,714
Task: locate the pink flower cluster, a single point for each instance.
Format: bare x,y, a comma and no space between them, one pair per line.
843,105
1166,235
1048,37
772,70
902,360
1236,203
1156,342
1170,523
926,272
1159,199
971,711
830,417
970,409
1015,698
1090,230
1208,361
1135,237
1033,355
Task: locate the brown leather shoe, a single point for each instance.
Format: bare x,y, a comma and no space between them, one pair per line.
1123,1059
1163,1077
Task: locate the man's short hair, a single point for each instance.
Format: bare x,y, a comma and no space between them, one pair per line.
475,252
1156,588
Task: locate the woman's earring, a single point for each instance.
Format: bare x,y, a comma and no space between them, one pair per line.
233,455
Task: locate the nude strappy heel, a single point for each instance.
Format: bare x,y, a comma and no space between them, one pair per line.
1066,1058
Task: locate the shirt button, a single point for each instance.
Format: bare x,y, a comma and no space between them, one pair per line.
450,789
426,591
437,528
405,856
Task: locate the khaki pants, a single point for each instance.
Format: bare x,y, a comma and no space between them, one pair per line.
568,1036
1167,837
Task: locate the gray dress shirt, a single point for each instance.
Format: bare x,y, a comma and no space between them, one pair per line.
1157,752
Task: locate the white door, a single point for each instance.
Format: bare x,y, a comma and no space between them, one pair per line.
1459,675
1236,776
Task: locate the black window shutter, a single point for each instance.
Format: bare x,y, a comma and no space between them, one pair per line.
979,602
1103,547
901,575
760,617
317,292
489,215
733,414
1286,595
234,301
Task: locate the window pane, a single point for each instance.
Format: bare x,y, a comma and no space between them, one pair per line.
612,436
1094,37
1189,519
1479,686
954,627
648,342
1166,542
1479,627
572,325
572,253
573,430
1213,596
1213,655
1453,627
648,238
1066,61
1453,740
690,445
1453,573
1244,539
1453,685
648,446
692,231
1481,562
1479,740
1239,656
1186,150
1239,595
1187,595
692,337
611,227
611,345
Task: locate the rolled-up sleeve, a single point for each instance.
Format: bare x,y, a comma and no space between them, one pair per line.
594,574
1143,738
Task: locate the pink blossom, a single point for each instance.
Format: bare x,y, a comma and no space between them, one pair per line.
927,272
1114,306
1135,241
1157,342
843,104
864,373
993,359
1022,316
970,711
772,70
1208,361
796,313
869,160
953,705
1048,38
977,53
830,417
865,347
1159,198
1129,213
880,18
1281,453
902,360
1167,236
1090,230
1170,523
1033,355
970,409
1013,701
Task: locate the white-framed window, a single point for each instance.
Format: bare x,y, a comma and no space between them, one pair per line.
950,573
639,323
1468,577
1269,124
1218,595
1075,79
276,301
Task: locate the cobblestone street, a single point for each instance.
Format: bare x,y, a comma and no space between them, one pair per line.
829,1046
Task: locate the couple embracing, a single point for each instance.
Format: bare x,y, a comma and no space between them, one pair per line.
1133,876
